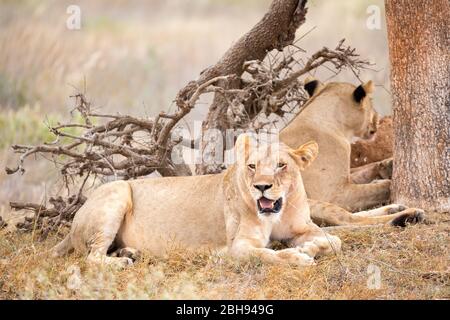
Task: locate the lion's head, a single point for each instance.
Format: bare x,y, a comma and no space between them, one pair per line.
356,112
269,173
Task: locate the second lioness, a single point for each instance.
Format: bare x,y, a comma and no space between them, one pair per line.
334,115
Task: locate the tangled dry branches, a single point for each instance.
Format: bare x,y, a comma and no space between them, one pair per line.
125,147
274,85
120,147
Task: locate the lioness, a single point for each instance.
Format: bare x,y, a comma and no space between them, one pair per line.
334,115
259,198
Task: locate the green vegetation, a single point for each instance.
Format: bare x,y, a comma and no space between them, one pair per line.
28,125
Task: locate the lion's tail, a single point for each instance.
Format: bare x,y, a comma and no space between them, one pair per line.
63,248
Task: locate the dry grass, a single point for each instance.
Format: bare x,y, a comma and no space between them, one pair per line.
134,56
413,264
131,57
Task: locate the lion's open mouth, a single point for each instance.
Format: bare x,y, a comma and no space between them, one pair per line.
269,206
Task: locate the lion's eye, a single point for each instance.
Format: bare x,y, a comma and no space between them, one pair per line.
252,166
281,165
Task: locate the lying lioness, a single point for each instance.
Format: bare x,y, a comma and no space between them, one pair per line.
258,199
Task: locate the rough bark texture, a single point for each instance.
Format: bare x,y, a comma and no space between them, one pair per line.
418,34
275,31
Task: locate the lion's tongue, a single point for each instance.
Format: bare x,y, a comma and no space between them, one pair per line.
266,203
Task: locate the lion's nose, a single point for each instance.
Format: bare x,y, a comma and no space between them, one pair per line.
262,187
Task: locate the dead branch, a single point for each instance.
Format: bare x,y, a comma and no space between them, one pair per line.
125,147
341,57
275,82
52,219
275,30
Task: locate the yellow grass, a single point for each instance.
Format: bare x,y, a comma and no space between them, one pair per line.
413,264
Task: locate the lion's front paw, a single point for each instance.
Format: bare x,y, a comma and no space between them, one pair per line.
321,246
120,263
295,257
114,262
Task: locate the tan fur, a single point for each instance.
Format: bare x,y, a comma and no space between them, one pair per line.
372,171
212,211
328,214
332,117
379,148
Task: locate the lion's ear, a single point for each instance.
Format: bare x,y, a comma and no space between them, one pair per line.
312,86
242,148
306,154
363,90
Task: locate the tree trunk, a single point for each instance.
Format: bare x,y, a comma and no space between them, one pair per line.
275,31
418,45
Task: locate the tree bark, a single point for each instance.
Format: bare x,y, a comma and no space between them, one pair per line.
275,31
420,75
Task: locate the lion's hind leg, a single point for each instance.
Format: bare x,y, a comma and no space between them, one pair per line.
327,214
97,223
395,214
113,203
63,248
381,211
372,171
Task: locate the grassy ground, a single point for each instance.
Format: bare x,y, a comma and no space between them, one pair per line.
133,57
412,263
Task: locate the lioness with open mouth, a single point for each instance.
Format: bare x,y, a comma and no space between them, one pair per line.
258,199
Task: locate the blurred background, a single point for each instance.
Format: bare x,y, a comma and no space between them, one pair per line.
133,56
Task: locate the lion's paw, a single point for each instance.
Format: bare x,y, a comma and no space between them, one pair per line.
131,253
294,257
411,216
120,263
395,208
113,262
